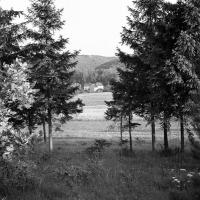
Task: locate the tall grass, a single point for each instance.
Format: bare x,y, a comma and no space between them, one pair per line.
74,173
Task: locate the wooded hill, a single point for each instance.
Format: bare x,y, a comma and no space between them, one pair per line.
87,63
94,68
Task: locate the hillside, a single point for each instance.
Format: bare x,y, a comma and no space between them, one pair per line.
112,64
93,69
88,63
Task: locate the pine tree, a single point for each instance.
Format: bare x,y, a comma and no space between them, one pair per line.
185,59
52,66
142,63
115,113
11,36
123,105
153,32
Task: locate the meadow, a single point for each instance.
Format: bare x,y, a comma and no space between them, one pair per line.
78,169
88,162
92,124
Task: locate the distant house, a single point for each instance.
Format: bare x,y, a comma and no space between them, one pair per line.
86,88
92,87
97,87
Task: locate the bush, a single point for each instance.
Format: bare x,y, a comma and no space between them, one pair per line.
169,152
125,151
14,144
74,175
16,170
17,176
97,149
178,195
186,186
123,142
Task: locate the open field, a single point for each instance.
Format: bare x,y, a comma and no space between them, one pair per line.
92,124
95,99
72,172
77,169
109,129
95,106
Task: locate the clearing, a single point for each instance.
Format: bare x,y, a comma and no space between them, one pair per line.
92,124
79,169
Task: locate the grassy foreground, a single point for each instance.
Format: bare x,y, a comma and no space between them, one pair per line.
76,171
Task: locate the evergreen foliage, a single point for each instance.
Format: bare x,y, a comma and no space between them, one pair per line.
11,35
51,65
160,74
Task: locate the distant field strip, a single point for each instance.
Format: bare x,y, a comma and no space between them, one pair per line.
92,124
95,99
95,106
109,130
92,113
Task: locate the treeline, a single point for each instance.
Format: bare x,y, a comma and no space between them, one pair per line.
102,76
103,73
161,77
36,71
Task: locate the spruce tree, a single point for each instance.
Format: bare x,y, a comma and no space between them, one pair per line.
185,58
115,112
153,32
123,103
11,36
141,64
52,65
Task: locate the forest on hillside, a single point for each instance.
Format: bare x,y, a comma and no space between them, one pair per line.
94,69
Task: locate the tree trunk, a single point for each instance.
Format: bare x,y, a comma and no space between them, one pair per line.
29,123
130,136
182,132
121,128
44,129
166,146
50,130
153,132
30,129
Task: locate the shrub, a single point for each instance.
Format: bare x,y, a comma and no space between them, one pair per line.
101,144
169,151
125,151
16,170
139,141
186,186
98,146
73,175
17,176
123,142
14,144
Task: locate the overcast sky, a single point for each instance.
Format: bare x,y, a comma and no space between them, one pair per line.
92,26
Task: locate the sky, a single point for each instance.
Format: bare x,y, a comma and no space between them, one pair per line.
92,26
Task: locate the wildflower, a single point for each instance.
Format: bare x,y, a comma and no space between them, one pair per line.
7,156
189,175
176,180
10,148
